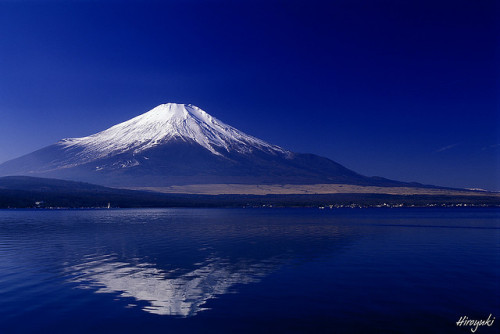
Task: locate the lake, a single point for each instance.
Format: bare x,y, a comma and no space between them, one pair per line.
269,270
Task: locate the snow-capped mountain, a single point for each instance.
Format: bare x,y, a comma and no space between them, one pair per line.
178,144
166,123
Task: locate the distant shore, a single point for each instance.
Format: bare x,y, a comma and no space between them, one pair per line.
29,192
307,189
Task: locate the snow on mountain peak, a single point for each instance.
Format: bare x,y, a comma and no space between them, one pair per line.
165,123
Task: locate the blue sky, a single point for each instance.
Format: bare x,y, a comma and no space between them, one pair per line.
402,89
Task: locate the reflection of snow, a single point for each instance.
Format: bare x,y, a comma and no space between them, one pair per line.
183,295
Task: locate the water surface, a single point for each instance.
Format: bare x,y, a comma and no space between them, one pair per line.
248,270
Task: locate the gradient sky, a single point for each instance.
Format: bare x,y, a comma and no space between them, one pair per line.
402,89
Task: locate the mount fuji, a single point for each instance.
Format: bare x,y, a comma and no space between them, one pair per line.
180,144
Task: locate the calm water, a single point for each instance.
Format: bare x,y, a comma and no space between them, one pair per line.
248,270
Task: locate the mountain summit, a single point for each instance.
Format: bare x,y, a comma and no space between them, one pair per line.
175,144
167,123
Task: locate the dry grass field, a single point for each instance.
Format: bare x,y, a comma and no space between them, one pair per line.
306,189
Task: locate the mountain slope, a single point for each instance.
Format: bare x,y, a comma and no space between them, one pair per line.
164,124
179,144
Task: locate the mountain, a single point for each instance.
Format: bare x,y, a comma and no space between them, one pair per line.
178,144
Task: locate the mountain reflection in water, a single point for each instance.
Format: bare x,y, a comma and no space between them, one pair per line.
183,295
256,270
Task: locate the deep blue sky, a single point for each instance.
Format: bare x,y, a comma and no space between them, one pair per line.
402,89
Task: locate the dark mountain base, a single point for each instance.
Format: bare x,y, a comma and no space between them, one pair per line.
28,192
183,163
